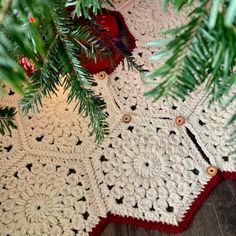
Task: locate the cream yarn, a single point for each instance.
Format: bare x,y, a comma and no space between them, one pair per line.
55,181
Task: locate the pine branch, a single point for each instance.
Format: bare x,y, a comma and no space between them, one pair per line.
44,81
186,66
88,43
198,53
178,4
18,38
202,50
132,64
84,7
54,28
80,80
10,71
6,119
55,44
89,104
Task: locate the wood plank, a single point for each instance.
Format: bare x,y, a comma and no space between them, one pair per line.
232,186
204,223
225,191
127,230
224,204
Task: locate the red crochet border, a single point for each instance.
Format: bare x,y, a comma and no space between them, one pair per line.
183,225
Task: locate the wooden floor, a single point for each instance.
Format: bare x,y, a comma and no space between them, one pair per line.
217,216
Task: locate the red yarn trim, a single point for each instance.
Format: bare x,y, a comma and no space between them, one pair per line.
183,225
98,229
229,175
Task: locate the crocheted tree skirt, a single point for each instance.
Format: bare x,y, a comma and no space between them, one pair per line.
155,168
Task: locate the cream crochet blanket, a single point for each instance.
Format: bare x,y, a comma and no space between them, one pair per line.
154,169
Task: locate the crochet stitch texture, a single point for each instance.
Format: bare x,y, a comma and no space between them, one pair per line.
150,171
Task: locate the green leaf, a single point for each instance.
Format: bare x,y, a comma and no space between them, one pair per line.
164,4
231,13
203,50
160,42
6,119
159,55
214,13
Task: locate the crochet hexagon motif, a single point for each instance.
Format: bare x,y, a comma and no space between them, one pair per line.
154,169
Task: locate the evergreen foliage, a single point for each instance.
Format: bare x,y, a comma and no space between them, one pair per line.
201,51
83,7
6,119
53,43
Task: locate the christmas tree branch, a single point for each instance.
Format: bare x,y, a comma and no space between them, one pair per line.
38,42
79,79
6,119
182,71
89,104
84,7
44,80
87,43
201,50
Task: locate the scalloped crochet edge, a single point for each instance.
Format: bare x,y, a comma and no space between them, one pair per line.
183,225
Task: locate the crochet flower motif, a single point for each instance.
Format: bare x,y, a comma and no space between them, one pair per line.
34,207
151,170
44,199
146,166
143,163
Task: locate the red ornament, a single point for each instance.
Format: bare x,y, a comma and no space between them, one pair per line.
31,20
27,65
114,35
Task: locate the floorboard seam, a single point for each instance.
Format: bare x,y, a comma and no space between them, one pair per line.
217,220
